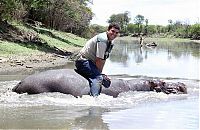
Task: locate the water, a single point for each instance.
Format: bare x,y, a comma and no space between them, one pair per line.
174,62
168,115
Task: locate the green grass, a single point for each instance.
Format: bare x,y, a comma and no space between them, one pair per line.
61,40
10,48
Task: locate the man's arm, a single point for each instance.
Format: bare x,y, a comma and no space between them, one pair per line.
100,63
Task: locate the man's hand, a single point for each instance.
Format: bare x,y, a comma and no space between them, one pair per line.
106,77
106,81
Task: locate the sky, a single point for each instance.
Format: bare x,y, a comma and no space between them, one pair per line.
158,12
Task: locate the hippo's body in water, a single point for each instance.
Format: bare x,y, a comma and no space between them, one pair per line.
67,81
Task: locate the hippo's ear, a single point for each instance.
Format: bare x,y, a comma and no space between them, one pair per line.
183,89
161,82
151,84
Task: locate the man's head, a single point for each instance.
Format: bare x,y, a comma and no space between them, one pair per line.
113,31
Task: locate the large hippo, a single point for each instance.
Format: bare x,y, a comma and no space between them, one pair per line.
67,81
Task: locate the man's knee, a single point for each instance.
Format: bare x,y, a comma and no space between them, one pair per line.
95,86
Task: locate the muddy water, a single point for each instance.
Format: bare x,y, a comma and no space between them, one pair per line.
132,110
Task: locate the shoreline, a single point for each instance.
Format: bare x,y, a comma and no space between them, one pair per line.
26,65
197,41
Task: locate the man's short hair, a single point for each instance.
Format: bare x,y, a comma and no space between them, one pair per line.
114,25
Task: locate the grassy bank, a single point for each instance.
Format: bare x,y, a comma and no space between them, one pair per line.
49,41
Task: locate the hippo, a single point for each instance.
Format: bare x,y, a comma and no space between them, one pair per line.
67,81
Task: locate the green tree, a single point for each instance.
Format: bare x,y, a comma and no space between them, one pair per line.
139,19
132,28
122,19
151,29
126,20
10,8
195,31
146,26
95,29
64,15
170,25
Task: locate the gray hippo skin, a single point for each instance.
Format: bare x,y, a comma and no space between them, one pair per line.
67,81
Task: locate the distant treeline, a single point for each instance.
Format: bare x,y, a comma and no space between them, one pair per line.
141,26
74,16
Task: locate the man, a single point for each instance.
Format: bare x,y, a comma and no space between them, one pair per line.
92,57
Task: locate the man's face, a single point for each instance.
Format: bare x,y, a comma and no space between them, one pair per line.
112,33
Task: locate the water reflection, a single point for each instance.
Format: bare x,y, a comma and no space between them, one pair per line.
93,120
53,117
168,59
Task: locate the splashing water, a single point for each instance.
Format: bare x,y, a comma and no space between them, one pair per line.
127,99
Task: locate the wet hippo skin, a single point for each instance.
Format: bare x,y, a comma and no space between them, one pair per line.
67,81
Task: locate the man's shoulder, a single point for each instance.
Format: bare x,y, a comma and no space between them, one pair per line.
102,37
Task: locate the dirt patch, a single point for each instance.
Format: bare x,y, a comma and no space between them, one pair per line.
23,65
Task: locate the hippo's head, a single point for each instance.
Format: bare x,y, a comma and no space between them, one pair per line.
155,85
161,86
181,88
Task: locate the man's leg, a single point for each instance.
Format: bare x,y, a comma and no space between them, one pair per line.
95,85
89,70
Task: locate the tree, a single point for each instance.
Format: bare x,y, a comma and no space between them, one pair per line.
170,25
64,15
95,29
131,28
86,1
9,8
151,29
126,20
146,26
195,31
139,19
122,19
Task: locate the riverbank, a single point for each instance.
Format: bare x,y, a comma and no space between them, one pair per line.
197,41
25,49
24,65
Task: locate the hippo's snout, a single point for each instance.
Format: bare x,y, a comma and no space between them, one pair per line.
182,88
15,89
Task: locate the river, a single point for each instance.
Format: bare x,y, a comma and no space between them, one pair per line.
170,61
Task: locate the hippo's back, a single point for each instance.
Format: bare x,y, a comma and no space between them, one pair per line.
62,80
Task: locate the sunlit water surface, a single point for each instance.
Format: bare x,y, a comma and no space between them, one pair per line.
168,59
174,62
